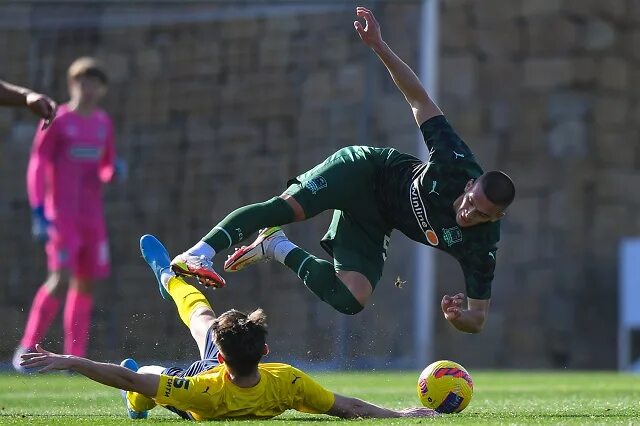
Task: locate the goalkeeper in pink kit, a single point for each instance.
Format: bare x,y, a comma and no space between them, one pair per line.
70,161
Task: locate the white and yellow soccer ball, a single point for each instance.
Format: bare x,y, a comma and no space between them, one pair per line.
445,386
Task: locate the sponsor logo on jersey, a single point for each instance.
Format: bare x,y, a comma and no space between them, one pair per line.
71,130
101,133
316,184
452,235
167,387
85,152
420,212
179,382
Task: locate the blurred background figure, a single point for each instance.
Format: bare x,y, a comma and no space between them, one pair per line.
41,105
70,161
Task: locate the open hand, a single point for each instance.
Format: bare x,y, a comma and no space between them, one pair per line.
452,306
43,107
370,33
418,412
46,360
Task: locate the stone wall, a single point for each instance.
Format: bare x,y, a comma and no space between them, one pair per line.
547,91
216,107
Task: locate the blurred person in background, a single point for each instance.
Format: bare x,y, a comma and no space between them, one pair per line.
70,161
448,203
40,105
229,382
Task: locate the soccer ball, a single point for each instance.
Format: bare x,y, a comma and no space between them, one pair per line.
445,386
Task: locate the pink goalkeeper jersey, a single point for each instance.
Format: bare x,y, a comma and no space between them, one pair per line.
69,163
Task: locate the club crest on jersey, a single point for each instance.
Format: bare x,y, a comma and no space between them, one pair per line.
420,212
452,235
316,184
102,133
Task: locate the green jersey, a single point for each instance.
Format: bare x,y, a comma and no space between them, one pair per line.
417,199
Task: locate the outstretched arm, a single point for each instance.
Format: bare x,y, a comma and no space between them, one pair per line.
351,408
105,373
404,77
470,320
41,105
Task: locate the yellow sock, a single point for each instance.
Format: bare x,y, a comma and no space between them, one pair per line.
186,297
139,402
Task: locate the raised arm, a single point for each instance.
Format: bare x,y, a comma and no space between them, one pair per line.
403,76
352,408
40,105
105,373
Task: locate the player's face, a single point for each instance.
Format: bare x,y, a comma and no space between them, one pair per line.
87,90
475,208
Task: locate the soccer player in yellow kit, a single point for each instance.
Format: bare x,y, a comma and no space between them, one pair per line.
229,381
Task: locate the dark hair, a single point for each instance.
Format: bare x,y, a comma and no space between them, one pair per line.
241,339
498,188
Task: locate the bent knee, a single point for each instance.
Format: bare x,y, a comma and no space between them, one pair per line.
298,211
357,284
57,282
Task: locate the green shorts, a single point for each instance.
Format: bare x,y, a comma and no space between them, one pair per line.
358,236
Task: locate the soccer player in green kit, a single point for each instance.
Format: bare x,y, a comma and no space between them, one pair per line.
447,202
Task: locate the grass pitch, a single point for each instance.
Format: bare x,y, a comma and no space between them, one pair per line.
514,398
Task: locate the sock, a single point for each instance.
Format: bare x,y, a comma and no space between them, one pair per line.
282,249
320,277
243,222
43,310
77,319
139,402
202,248
186,297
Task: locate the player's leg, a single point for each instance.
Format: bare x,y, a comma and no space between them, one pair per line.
342,182
193,308
60,251
234,228
92,264
321,188
357,244
136,403
347,292
44,309
77,316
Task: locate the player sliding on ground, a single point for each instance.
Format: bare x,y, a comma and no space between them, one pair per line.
446,202
229,381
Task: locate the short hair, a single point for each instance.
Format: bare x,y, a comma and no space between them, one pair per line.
241,339
87,66
498,188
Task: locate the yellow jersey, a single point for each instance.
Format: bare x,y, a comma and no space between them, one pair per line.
212,394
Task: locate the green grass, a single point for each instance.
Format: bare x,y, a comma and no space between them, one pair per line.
514,398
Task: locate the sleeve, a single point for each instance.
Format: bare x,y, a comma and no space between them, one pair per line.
183,393
311,397
478,267
445,146
43,153
106,169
